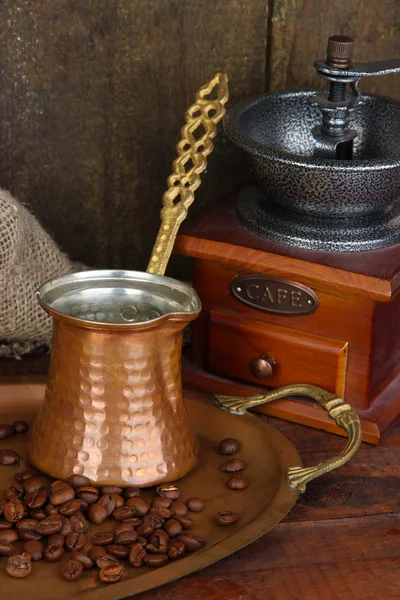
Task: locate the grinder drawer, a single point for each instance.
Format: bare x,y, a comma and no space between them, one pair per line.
271,355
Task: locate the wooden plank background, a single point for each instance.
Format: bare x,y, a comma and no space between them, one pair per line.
92,97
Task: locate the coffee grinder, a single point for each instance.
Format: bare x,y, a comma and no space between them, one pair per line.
298,271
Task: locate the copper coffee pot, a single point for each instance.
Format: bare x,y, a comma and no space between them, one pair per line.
113,408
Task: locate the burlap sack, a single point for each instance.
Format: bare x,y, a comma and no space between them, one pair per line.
28,257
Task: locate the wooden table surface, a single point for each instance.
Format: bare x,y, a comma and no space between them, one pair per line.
338,543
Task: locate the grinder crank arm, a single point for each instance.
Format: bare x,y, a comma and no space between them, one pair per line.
337,409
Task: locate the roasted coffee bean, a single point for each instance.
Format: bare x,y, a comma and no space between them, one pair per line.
192,543
94,552
3,502
20,426
53,553
57,539
62,495
155,560
14,511
238,482
158,542
179,508
49,525
103,539
118,500
14,492
97,514
88,494
33,484
142,541
35,549
125,538
8,457
57,484
186,522
36,499
118,551
145,529
163,513
108,503
168,490
37,514
106,560
111,574
229,446
50,509
173,528
137,555
123,527
232,465
4,525
131,492
83,559
19,565
195,504
22,476
141,507
6,431
75,541
6,548
72,507
77,481
71,570
123,513
156,521
176,550
226,517
27,530
111,489
67,526
9,536
161,501
134,521
79,523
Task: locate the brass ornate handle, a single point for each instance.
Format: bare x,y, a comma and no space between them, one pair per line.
342,413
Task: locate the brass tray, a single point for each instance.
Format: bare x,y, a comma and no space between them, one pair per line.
267,454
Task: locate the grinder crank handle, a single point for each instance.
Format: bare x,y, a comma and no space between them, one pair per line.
342,413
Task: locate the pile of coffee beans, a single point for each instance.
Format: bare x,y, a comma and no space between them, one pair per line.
53,520
8,456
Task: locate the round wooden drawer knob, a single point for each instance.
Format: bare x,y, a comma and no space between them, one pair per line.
263,367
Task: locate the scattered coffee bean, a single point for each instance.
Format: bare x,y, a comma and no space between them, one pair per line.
141,507
6,431
22,476
134,521
14,511
168,490
162,501
105,560
15,491
160,511
35,549
94,552
97,514
173,528
6,549
156,521
75,541
132,492
49,525
62,495
123,527
83,559
195,504
192,543
5,525
111,574
111,489
179,508
53,553
227,517
145,529
56,538
79,523
123,513
103,539
229,446
70,508
232,465
125,538
8,457
37,514
71,570
185,521
77,481
88,494
108,502
27,529
118,500
238,482
176,550
158,542
137,555
118,551
9,536
36,499
50,509
155,560
33,484
20,426
19,565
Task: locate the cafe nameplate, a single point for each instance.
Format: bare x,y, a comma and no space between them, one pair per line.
273,295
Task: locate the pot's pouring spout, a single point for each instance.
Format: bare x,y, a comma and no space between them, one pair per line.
195,145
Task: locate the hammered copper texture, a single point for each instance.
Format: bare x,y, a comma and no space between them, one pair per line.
113,408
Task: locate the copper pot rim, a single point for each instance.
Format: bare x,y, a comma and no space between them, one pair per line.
185,316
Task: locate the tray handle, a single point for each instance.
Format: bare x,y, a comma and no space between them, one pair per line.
337,409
